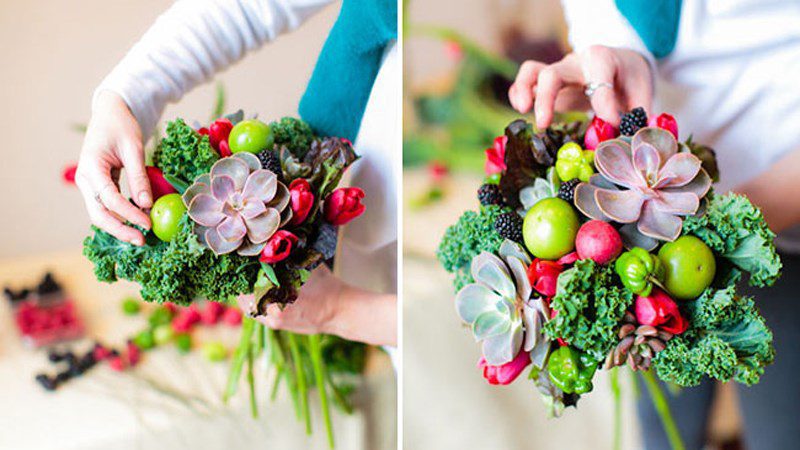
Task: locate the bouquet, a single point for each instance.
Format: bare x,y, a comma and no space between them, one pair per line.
596,248
245,207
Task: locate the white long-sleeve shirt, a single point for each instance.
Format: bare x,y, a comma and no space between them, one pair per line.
732,80
194,39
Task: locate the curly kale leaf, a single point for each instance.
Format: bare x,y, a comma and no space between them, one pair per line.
178,271
184,154
727,339
590,304
294,134
472,234
736,230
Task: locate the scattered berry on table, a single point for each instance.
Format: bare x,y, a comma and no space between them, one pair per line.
633,121
131,306
489,194
509,226
215,351
184,342
567,190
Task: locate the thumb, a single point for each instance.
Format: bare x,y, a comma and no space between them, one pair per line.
132,156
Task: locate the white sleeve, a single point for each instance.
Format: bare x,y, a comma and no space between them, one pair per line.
192,41
599,22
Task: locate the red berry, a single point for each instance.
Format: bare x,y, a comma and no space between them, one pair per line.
117,363
134,353
212,313
232,316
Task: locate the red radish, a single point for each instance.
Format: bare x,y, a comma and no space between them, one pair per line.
158,183
598,241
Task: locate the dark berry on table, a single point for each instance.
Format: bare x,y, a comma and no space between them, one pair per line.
62,377
489,194
46,382
271,161
633,121
509,226
55,356
567,190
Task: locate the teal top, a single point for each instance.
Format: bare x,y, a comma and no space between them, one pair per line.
337,93
655,21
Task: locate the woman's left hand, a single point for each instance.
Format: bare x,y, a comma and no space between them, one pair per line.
328,305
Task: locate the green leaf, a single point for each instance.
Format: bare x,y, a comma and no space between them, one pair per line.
269,271
177,183
219,103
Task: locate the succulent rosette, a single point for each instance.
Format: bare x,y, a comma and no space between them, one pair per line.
238,206
647,184
571,300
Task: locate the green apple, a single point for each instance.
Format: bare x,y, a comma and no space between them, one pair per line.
250,136
689,267
166,216
549,228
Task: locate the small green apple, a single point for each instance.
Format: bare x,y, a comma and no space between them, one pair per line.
250,136
549,228
689,266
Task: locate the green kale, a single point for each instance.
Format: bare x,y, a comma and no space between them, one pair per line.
472,234
737,231
183,154
727,339
590,304
178,271
293,133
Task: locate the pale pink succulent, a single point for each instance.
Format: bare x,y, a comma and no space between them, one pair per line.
646,184
238,206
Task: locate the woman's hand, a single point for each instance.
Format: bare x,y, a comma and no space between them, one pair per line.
546,88
114,141
328,305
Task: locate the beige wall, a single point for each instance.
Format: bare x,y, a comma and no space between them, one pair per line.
54,53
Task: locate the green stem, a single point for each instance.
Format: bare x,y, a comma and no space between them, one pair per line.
338,397
239,356
302,388
280,355
617,392
315,349
662,408
276,383
251,381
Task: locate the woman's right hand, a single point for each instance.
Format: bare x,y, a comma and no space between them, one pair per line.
540,86
114,141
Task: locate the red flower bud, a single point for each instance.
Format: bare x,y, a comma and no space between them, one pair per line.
302,200
158,184
344,205
219,131
278,247
660,311
224,149
506,373
496,156
599,130
665,122
203,131
543,276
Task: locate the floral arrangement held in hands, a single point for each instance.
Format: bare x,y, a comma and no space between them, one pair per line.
594,249
244,207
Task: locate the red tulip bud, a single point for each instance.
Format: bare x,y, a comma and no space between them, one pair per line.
344,205
302,200
224,149
660,311
496,156
599,130
506,373
665,122
278,247
203,131
219,131
159,185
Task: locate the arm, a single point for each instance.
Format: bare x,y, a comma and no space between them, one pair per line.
606,49
328,305
766,191
186,46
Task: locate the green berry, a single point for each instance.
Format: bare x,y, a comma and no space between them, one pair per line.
160,316
131,306
163,334
215,351
184,342
144,340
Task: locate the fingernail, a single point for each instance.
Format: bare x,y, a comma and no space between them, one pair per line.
144,199
137,241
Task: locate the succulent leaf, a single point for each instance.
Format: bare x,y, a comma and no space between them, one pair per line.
473,300
490,324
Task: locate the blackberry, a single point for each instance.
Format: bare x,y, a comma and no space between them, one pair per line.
509,226
632,121
489,194
567,190
271,161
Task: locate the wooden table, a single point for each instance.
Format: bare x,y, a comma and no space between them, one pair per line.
169,400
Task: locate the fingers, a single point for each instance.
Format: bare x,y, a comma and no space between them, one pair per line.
521,92
116,203
103,219
600,66
637,81
132,157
